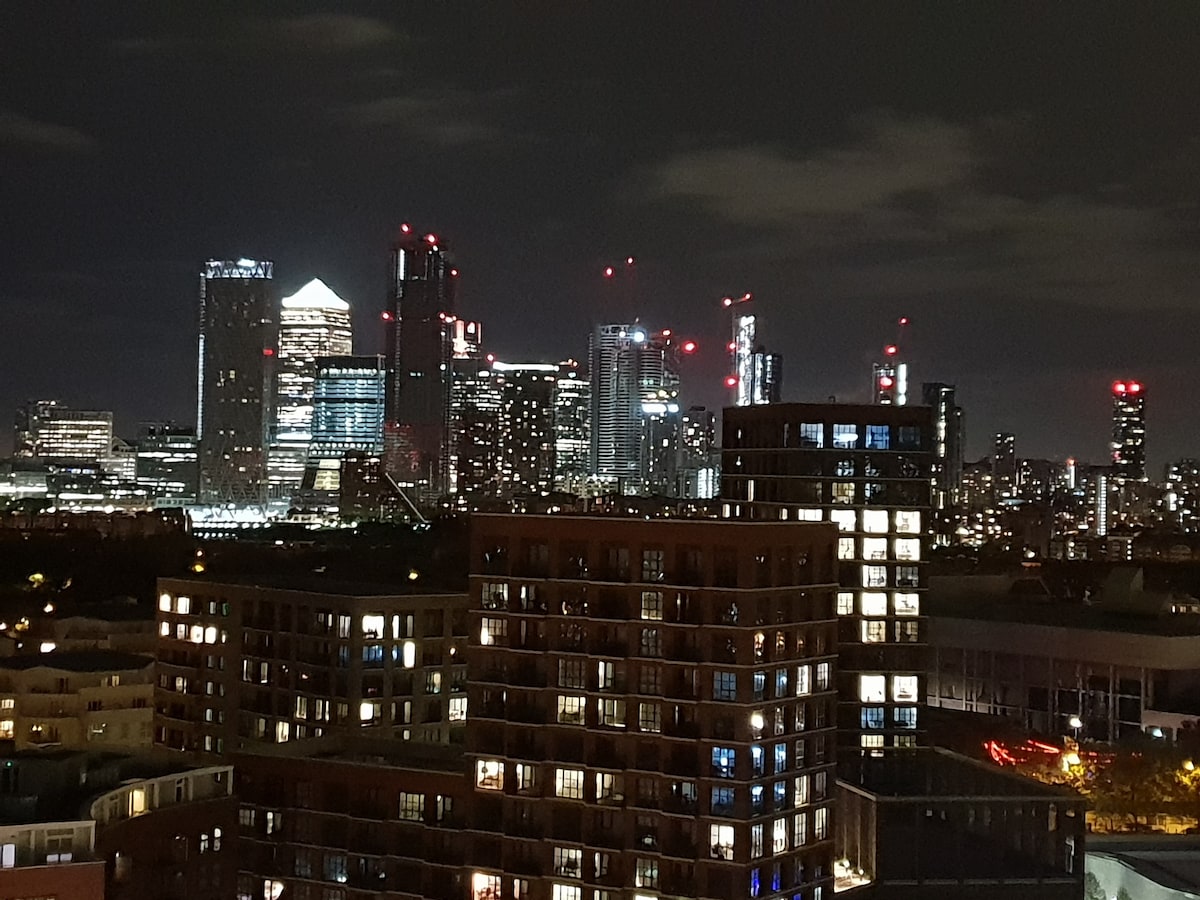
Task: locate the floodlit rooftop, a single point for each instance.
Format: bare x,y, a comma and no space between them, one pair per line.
315,295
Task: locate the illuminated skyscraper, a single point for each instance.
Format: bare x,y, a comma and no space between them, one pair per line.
1129,430
46,430
167,462
947,454
347,415
313,322
1004,466
699,465
757,376
419,319
572,428
629,366
237,345
525,436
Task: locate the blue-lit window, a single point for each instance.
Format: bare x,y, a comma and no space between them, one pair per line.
755,886
872,717
878,437
906,717
812,435
758,759
760,685
723,762
372,655
757,799
724,686
781,683
777,877
845,437
722,801
780,758
780,794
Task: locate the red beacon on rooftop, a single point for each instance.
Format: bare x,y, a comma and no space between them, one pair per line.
608,271
891,350
386,316
431,238
689,347
731,381
1127,387
268,351
405,228
886,381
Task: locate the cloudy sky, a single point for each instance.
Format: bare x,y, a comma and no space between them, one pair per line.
1019,179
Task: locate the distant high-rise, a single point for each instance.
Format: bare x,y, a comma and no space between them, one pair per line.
1004,466
46,430
699,464
890,383
347,415
629,365
947,445
757,376
421,303
1129,430
525,433
237,346
572,428
167,462
313,322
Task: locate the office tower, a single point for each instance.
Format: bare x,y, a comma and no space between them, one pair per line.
26,425
313,322
1004,467
699,466
658,455
237,346
48,431
272,661
867,468
419,325
948,440
572,428
1129,430
474,416
347,415
121,461
525,433
629,364
683,747
168,462
756,376
1181,502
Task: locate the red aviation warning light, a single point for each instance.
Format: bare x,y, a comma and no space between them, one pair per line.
903,321
732,346
386,316
608,271
1119,387
728,301
268,351
731,381
454,273
666,332
886,381
405,228
1135,387
431,238
629,260
689,347
891,350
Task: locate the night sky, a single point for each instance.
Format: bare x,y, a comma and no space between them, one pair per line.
1019,179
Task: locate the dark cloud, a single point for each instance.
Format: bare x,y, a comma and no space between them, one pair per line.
446,118
317,34
24,133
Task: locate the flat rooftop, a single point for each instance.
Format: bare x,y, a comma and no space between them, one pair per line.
78,661
1172,861
365,751
931,772
317,584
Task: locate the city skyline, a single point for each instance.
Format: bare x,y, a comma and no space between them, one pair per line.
998,204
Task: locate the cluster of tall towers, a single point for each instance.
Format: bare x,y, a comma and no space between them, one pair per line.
286,412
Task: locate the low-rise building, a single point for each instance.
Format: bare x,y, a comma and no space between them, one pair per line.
87,699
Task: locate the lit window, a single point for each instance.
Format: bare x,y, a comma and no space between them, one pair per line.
756,841
907,604
370,711
906,717
458,709
183,605
485,886
652,605
373,625
410,654
821,823
799,829
874,631
283,731
567,892
570,674
904,688
412,806
724,686
872,688
494,596
803,680
779,836
845,437
875,549
196,634
874,576
845,519
846,548
874,603
800,790
875,521
570,709
489,774
871,741
878,437
568,783
646,873
210,634
609,788
845,603
493,631
843,492
812,435
724,761
612,713
824,676
908,549
568,861
721,841
908,521
872,717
